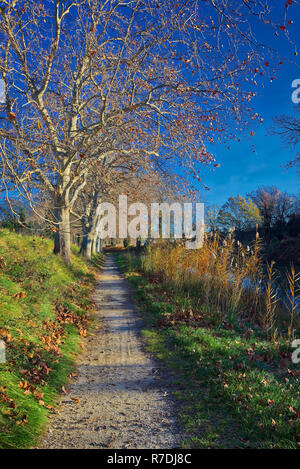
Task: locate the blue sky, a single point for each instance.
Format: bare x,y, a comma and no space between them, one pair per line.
241,170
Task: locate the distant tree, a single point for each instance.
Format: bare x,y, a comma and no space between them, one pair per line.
288,127
284,208
240,213
212,217
275,208
126,242
266,199
13,215
293,224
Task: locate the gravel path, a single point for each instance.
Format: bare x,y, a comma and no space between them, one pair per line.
124,397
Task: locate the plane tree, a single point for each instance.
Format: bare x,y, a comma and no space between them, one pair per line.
80,75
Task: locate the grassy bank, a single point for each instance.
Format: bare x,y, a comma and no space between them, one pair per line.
237,388
44,313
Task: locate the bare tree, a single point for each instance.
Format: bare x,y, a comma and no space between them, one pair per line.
284,207
288,127
118,176
275,207
266,199
82,75
212,214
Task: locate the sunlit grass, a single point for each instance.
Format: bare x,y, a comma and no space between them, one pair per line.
44,308
237,385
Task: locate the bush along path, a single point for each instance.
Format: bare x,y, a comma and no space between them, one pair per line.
45,311
120,398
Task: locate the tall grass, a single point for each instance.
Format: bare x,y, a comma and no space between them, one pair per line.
293,281
271,302
229,281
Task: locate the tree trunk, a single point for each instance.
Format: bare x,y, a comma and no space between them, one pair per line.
83,240
95,245
90,247
56,249
65,235
62,241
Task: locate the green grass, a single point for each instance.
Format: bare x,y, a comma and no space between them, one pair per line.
44,313
235,388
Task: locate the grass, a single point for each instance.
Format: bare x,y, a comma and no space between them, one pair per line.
237,388
44,313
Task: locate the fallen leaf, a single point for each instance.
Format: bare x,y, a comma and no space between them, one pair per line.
76,399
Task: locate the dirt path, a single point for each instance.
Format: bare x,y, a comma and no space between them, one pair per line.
124,398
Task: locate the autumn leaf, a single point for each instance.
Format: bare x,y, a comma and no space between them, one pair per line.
12,116
76,400
38,395
22,421
19,295
294,373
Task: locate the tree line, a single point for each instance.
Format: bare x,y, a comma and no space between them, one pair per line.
104,96
267,210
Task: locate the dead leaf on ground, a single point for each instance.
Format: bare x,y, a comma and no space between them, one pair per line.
76,400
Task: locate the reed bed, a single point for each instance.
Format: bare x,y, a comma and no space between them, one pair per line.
229,281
